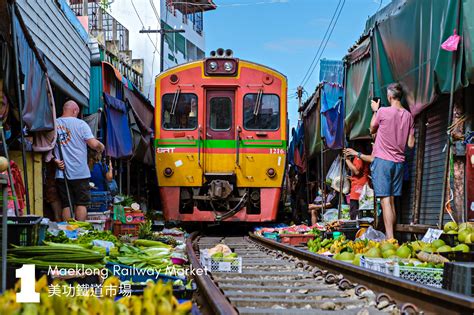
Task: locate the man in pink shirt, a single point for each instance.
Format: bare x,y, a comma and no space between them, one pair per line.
395,130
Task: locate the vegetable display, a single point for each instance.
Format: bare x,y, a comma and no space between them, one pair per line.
61,255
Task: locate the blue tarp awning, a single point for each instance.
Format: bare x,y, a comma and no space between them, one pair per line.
332,115
119,138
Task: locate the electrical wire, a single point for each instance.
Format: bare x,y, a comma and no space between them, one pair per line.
320,44
324,42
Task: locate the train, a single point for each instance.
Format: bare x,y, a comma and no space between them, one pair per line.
221,133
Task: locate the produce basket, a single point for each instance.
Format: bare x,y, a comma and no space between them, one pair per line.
229,265
296,239
459,277
23,231
100,225
125,229
428,276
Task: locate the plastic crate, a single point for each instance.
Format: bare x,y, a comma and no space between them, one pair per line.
230,265
125,229
272,236
100,197
296,239
98,215
100,225
459,277
427,276
97,207
134,217
23,231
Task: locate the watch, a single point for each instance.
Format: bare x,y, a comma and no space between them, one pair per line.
358,155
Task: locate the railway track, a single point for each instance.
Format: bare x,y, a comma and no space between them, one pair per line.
280,279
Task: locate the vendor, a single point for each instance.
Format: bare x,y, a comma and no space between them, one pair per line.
101,174
331,202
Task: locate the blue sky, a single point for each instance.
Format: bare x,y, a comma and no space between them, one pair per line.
285,34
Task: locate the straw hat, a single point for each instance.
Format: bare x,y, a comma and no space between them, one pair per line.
346,185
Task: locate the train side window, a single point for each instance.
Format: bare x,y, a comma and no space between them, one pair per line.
184,114
263,115
220,117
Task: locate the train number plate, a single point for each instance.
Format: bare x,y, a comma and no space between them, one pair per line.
277,151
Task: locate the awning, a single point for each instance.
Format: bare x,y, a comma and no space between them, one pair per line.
406,47
332,115
118,137
37,113
312,123
61,83
358,91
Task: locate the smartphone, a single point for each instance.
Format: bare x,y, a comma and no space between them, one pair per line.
376,99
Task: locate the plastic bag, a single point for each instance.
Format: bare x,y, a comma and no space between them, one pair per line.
334,170
373,234
366,199
330,215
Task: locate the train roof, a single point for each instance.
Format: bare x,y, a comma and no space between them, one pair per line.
201,60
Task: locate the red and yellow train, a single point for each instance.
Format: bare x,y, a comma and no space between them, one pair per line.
221,138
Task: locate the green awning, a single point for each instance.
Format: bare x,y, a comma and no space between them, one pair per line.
403,44
312,125
358,92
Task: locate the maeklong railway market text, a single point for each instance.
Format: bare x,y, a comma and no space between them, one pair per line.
236,157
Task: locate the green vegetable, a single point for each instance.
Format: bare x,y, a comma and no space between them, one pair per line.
150,243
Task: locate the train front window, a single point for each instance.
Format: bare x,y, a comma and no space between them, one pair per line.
261,111
220,113
179,111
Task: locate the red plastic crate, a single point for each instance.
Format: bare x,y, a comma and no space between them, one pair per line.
125,229
296,239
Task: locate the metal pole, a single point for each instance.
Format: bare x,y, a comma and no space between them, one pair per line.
19,88
162,53
10,176
343,162
120,176
128,177
3,183
448,140
66,183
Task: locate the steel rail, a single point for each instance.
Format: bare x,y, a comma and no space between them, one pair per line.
214,297
430,300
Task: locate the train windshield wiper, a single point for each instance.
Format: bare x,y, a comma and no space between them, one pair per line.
258,103
175,101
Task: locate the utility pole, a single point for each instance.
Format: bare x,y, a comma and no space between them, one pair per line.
300,96
162,41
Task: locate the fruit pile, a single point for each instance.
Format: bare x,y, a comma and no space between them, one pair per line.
415,253
222,252
156,299
464,232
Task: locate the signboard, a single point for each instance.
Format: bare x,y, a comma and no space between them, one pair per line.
432,235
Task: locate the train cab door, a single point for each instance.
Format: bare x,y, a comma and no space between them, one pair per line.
220,132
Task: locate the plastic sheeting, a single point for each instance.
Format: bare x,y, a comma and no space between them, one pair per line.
406,46
37,113
119,137
332,115
358,92
403,44
331,71
95,97
312,121
141,118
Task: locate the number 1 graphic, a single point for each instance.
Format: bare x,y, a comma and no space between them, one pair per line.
27,292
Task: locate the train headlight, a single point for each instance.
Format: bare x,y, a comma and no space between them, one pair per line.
228,66
213,66
271,172
168,172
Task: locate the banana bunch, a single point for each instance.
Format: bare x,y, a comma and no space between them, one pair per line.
157,299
